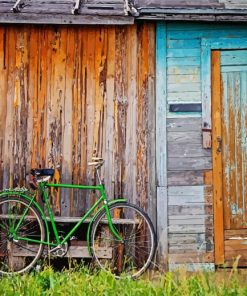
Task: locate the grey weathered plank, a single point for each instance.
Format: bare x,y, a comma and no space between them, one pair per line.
190,228
185,178
178,3
162,224
187,195
184,124
193,267
185,137
64,19
190,219
198,209
191,238
185,247
187,164
187,150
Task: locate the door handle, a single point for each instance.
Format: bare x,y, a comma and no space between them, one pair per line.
219,144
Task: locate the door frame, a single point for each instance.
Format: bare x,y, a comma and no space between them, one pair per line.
211,117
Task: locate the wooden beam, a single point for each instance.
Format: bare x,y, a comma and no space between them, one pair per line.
79,251
217,159
18,5
69,19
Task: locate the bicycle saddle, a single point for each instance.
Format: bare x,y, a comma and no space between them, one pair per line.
42,172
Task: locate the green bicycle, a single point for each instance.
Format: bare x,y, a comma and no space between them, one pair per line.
120,236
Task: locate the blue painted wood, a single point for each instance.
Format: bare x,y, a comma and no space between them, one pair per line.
183,52
230,33
234,114
190,78
161,81
189,43
184,87
188,61
225,69
188,26
177,70
237,57
161,150
207,46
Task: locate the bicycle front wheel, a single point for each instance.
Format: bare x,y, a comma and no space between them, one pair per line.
21,227
131,256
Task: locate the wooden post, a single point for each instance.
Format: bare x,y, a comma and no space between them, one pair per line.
161,145
217,159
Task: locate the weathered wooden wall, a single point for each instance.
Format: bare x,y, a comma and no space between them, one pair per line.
68,93
189,166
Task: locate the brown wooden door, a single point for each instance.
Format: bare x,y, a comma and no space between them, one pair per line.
229,73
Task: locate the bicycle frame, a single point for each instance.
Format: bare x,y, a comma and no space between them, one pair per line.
42,188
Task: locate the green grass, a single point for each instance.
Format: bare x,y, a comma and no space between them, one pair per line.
81,281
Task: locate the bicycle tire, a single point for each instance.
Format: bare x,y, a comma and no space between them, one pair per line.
134,255
11,209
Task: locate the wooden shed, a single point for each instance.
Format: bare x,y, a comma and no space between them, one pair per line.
157,88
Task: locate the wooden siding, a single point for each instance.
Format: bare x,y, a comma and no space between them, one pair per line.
68,93
189,166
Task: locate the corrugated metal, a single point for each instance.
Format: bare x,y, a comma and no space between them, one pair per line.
67,94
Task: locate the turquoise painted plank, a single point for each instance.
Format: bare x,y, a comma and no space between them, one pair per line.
225,69
244,134
207,46
161,140
231,33
183,87
179,26
183,78
189,43
236,57
161,96
179,70
232,53
190,61
181,52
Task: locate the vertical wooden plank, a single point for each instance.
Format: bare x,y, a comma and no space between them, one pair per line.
243,92
120,111
142,112
9,135
162,226
151,143
161,138
217,159
161,153
68,109
131,120
206,95
108,171
3,100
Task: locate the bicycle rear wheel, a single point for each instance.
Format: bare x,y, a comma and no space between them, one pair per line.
17,255
133,255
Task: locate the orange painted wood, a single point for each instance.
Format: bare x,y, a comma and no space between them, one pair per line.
217,159
68,93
